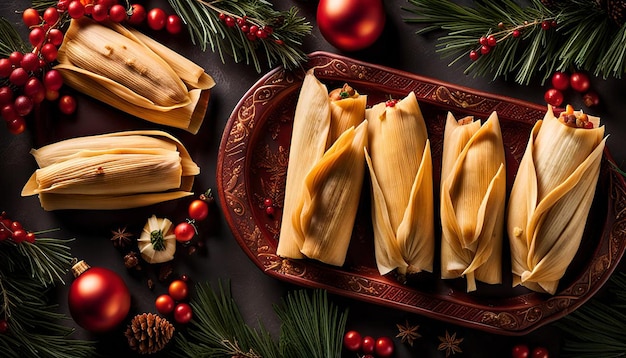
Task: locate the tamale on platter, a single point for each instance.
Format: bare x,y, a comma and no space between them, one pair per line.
253,164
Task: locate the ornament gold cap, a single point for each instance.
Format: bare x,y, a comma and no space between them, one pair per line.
80,267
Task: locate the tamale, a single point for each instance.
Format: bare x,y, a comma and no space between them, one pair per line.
111,171
551,197
134,73
400,165
473,191
323,181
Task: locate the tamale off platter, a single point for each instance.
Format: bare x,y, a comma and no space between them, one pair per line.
252,167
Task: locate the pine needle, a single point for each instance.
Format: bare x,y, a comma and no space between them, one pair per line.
10,39
585,37
310,327
597,328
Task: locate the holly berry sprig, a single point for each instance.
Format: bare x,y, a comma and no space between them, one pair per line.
198,210
12,230
27,78
174,302
508,32
382,347
578,81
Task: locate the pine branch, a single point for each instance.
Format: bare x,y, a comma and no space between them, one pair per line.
585,37
27,272
10,39
282,46
311,327
597,328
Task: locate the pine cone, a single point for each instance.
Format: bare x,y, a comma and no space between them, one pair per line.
149,333
616,10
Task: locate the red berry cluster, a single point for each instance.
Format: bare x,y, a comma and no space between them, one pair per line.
488,42
523,351
173,301
382,347
268,205
4,326
13,230
198,210
578,81
251,30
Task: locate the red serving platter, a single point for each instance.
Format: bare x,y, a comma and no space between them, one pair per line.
252,167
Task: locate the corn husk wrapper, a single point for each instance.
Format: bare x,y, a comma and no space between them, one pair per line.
400,165
112,171
473,192
323,181
134,73
550,200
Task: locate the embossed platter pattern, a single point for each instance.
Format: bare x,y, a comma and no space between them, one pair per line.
252,166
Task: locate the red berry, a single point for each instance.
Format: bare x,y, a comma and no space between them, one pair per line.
352,341
268,202
36,36
540,352
545,25
269,210
67,104
23,105
30,17
156,19
53,80
4,326
485,49
30,237
174,24
483,41
553,97
18,76
18,235
368,344
6,95
491,40
520,351
560,81
51,15
591,99
49,52
184,232
117,13
16,125
229,21
183,313
4,234
164,304
138,15
8,112
384,347
580,82
100,12
76,9
55,37
178,290
16,57
30,62
6,67
198,210
35,90
516,33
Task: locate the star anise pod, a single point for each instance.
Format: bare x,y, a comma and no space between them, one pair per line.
408,333
450,344
121,238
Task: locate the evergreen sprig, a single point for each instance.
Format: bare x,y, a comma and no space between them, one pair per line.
281,47
35,328
597,328
311,327
10,39
585,37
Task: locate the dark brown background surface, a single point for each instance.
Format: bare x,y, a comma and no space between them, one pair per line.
255,292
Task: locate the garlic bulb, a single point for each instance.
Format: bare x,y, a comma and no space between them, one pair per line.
157,242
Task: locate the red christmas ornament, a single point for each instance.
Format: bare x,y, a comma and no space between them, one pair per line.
351,25
98,300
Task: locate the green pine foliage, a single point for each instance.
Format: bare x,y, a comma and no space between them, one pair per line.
585,38
597,328
281,47
312,327
35,328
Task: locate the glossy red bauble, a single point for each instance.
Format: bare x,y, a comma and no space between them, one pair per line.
579,82
98,299
351,25
183,313
178,290
164,304
384,347
553,97
520,351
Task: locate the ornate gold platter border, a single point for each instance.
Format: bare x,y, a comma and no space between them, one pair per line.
252,166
